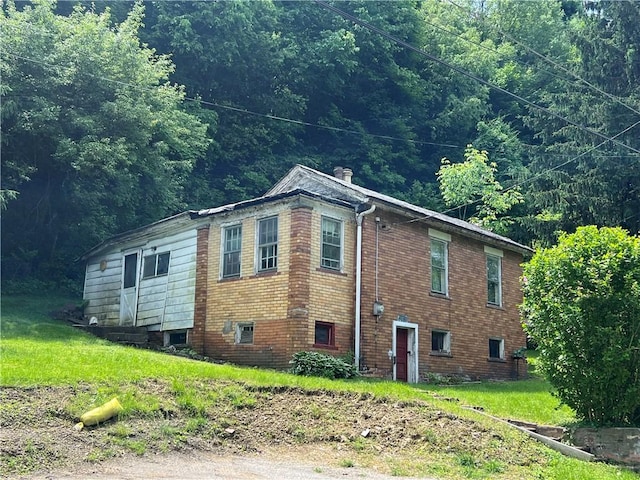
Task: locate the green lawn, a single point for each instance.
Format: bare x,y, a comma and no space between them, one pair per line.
38,351
527,400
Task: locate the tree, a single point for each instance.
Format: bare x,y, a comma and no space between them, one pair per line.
578,178
471,188
582,308
94,138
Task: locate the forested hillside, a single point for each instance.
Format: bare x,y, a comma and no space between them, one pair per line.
116,114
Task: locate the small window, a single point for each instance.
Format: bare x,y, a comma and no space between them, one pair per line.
268,244
232,246
496,348
244,333
156,265
325,334
439,266
440,341
494,280
178,338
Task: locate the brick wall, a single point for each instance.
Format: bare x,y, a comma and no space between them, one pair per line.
404,288
282,305
258,298
285,305
196,337
332,293
299,278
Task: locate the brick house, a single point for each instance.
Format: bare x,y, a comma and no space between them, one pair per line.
319,263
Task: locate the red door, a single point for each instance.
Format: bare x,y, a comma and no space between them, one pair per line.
401,354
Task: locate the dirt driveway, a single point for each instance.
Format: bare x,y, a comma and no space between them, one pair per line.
207,465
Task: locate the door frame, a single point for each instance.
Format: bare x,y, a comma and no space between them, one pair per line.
412,348
135,293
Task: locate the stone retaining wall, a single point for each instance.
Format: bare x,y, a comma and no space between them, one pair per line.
619,445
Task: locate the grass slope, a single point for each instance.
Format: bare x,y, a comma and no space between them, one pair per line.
52,373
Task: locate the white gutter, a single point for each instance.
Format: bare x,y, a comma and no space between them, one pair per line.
359,217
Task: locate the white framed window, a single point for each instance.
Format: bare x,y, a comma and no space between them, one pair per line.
439,248
244,333
494,276
496,348
440,341
268,244
331,254
231,251
156,265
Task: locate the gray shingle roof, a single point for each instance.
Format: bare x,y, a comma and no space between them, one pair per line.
305,178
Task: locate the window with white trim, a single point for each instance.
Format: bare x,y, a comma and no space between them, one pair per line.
268,244
156,265
494,280
331,255
496,348
232,246
439,265
440,341
244,333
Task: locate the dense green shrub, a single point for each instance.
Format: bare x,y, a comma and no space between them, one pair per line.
318,364
582,308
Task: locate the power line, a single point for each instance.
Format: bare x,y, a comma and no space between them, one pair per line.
551,62
250,112
483,47
419,51
288,120
337,129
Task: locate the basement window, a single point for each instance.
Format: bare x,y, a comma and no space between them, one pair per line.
178,337
440,342
156,265
244,333
325,334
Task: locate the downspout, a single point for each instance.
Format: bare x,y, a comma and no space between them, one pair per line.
359,218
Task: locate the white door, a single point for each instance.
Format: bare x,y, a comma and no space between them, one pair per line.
129,293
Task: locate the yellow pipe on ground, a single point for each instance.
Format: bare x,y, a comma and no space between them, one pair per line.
100,414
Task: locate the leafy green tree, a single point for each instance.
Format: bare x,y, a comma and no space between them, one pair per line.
472,189
94,138
580,179
234,57
582,308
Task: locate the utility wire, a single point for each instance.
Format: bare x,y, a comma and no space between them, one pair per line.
550,61
278,118
249,112
484,47
470,75
527,180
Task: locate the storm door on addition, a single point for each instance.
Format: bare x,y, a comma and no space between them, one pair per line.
129,293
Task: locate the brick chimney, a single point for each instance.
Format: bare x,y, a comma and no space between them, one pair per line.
344,174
